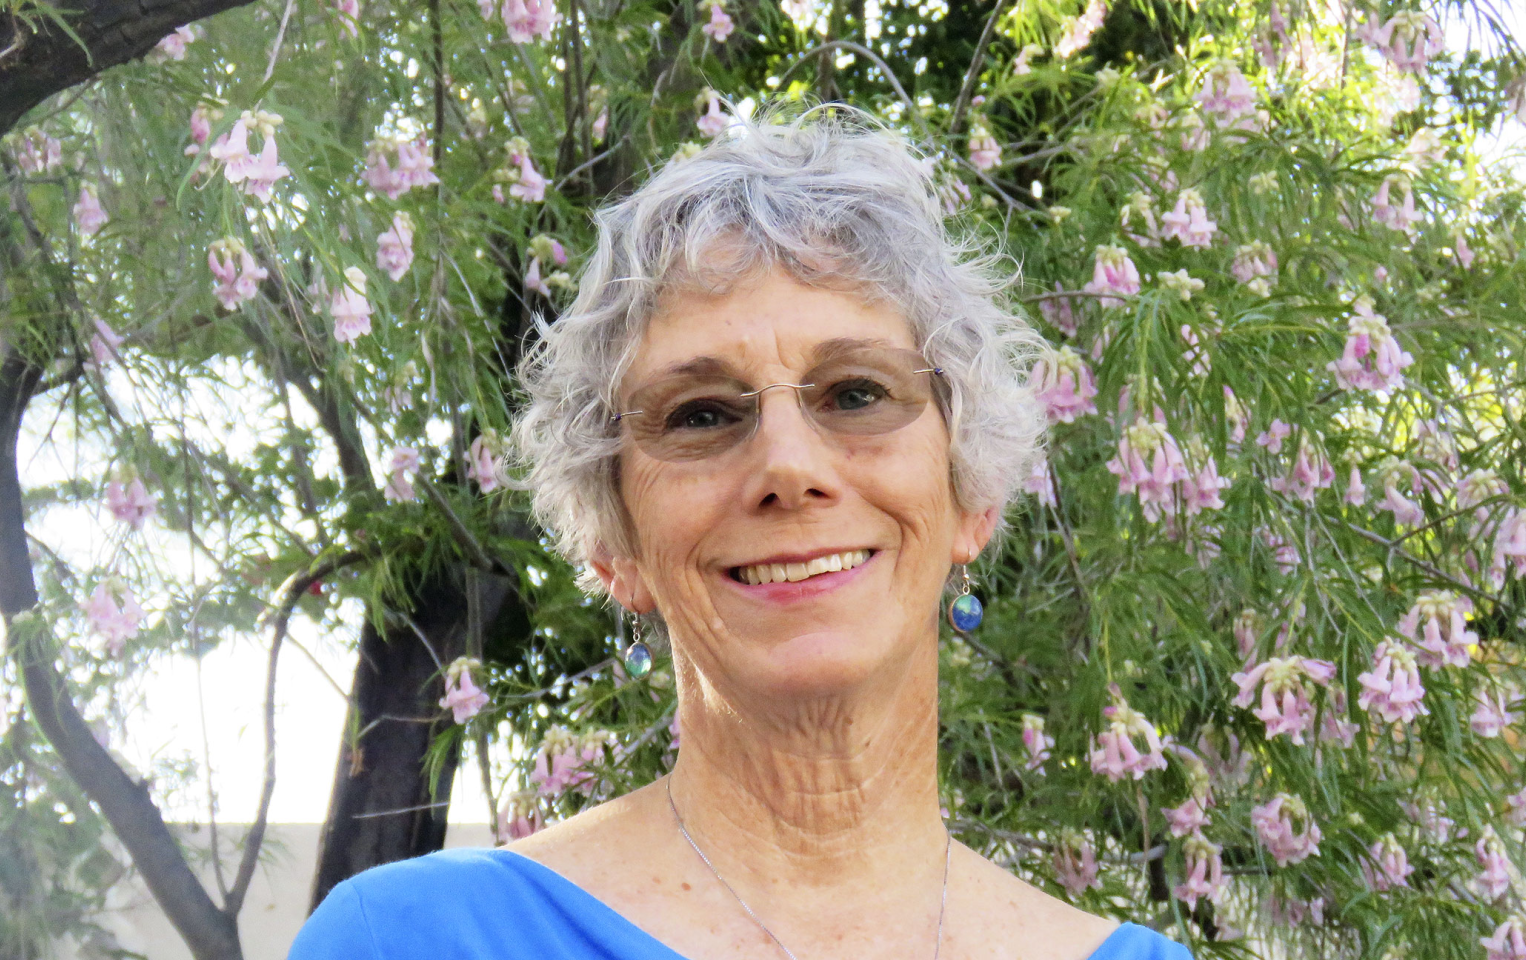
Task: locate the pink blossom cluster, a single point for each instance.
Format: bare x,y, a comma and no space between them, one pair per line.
1429,813
201,127
350,308
1284,705
395,165
255,176
1065,386
89,215
1508,941
237,273
520,816
1190,816
173,46
1142,209
1075,863
1476,489
1311,472
1076,32
1205,871
1115,752
1188,222
1509,546
1286,829
1247,630
525,19
1401,216
462,698
1285,552
1226,95
545,249
1408,39
116,622
130,503
1356,490
482,462
1438,625
1388,866
564,762
1493,714
1515,804
1036,742
712,121
38,152
985,151
1392,688
1113,273
1150,464
394,247
1393,473
401,467
1292,912
1196,354
1372,359
349,16
720,26
1040,483
1255,264
1271,438
525,182
1493,864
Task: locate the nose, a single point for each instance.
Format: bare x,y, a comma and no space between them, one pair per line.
791,459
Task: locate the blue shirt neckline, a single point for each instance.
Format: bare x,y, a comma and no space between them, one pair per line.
622,921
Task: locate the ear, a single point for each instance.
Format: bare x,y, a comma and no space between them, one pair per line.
975,529
621,579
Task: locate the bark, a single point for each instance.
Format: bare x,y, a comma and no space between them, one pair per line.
382,808
39,60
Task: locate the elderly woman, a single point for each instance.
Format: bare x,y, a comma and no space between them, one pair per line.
782,409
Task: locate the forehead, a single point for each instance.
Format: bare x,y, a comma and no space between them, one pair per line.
773,322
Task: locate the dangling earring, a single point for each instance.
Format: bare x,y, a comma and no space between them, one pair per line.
637,656
965,611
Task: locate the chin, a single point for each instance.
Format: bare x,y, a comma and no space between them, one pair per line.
825,664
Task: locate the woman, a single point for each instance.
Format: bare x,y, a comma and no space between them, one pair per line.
781,409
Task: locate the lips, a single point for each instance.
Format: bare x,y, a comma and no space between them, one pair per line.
796,572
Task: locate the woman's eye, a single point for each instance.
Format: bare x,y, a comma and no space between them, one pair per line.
856,394
700,415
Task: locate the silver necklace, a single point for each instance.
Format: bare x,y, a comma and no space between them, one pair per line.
948,851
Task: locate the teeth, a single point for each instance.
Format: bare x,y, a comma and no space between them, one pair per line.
795,572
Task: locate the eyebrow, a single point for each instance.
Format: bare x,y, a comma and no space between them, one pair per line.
823,351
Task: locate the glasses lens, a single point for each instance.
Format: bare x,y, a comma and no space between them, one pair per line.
691,417
868,390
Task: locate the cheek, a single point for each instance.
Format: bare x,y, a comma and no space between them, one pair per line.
670,509
908,477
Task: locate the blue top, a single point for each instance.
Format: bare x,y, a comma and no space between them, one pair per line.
482,904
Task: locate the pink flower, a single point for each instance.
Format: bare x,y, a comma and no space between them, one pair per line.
1075,864
1389,866
1076,32
1285,706
1115,753
131,504
232,150
1200,491
720,25
562,763
172,47
1286,829
1373,359
1392,688
1041,483
414,166
1236,416
88,214
1508,942
394,248
1356,490
985,152
262,174
116,623
482,466
1021,66
1190,817
1493,713
1188,222
1494,878
1462,251
712,122
1291,911
236,283
1065,386
1438,625
103,345
1252,260
529,185
1226,96
1402,217
1113,273
520,816
1247,632
1272,437
462,697
1333,725
1205,871
1149,464
1311,472
1036,742
349,16
1509,543
1406,511
403,463
350,308
527,19
1284,551
1408,39
39,152
1059,313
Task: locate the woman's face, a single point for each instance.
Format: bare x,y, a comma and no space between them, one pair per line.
707,530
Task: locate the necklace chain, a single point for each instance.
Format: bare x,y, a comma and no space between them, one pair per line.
948,850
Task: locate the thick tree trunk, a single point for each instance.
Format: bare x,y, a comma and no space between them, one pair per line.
381,808
36,65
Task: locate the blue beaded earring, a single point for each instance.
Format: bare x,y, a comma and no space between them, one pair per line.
637,656
965,611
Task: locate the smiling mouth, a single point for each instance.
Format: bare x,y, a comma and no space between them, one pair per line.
761,573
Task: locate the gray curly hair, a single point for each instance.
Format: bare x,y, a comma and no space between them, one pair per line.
834,198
